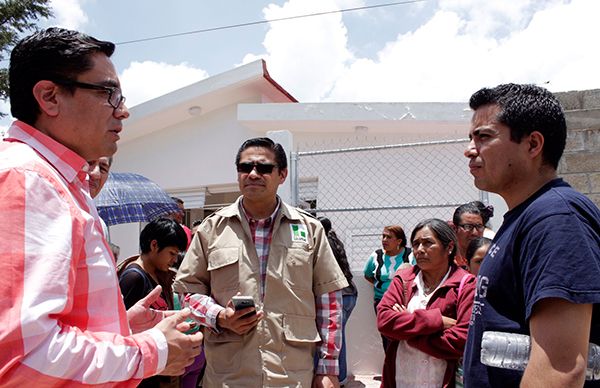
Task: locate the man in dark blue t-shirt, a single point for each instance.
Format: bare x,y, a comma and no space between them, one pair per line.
541,276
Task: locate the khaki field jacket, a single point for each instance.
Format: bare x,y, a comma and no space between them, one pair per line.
222,260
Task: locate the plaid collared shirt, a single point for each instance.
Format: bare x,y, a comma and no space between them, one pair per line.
62,317
262,232
328,306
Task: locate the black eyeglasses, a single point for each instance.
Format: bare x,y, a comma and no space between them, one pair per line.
470,227
115,96
261,168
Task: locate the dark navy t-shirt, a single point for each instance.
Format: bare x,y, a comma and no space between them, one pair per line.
547,247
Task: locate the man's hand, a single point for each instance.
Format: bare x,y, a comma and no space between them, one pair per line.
236,321
448,322
183,348
398,308
141,317
325,381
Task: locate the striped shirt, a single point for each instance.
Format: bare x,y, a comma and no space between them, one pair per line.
328,306
62,317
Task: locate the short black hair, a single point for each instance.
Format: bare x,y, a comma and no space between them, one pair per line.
474,245
473,207
525,109
197,222
50,54
265,142
166,232
326,222
442,231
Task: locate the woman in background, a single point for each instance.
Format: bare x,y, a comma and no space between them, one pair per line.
426,312
383,263
476,251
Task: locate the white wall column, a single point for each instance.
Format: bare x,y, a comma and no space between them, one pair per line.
286,139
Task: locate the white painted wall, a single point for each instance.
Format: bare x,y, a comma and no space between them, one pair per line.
364,348
286,139
198,152
127,237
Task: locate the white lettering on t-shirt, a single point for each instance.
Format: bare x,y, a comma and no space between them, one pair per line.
480,294
482,286
493,250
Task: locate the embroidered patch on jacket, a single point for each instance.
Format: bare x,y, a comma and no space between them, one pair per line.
299,233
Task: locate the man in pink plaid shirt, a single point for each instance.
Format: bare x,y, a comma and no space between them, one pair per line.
279,255
62,318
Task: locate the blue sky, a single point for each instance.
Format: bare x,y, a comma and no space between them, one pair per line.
435,50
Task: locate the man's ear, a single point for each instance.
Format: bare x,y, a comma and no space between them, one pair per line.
535,143
282,175
46,94
154,246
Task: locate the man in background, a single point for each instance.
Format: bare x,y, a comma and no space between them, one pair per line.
179,218
98,171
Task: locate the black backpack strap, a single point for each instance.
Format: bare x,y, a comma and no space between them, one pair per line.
378,266
405,255
147,285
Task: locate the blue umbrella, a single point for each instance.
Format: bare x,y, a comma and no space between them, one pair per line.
128,197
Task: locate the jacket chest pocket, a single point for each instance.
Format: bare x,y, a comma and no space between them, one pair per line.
298,271
224,269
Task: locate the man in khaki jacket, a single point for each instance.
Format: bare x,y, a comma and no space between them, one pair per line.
279,255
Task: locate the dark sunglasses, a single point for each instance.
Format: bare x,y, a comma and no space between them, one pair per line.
261,168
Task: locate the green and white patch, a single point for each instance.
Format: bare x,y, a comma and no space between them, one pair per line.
299,233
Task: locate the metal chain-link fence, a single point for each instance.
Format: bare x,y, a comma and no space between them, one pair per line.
363,189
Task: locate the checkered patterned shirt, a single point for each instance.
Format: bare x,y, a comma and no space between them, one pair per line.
62,317
328,306
262,232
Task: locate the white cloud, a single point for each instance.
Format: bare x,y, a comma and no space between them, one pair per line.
494,17
143,81
68,13
465,45
423,65
313,49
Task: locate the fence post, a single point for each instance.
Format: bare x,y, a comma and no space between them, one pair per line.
294,178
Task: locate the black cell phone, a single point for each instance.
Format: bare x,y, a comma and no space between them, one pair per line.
241,302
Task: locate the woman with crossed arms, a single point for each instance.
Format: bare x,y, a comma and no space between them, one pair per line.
426,312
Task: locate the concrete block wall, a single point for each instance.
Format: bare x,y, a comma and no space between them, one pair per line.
580,164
